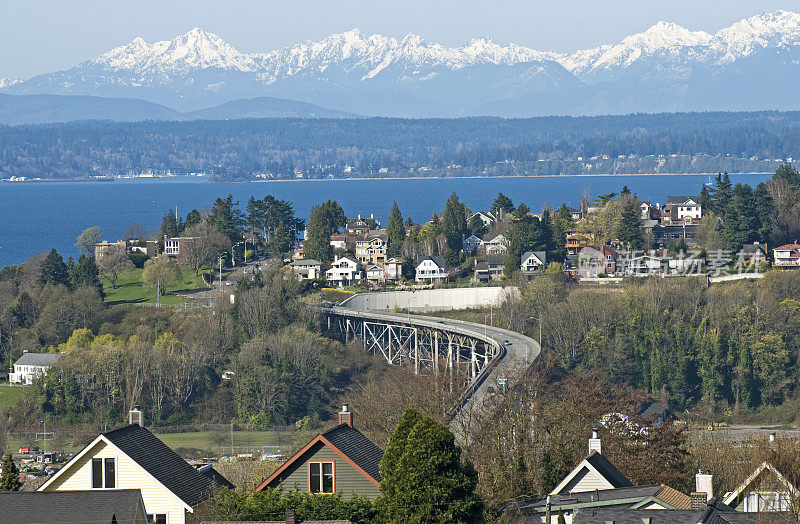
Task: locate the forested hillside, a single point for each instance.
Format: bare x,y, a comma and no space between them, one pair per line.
286,148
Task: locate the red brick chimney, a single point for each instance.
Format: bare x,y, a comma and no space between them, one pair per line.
346,416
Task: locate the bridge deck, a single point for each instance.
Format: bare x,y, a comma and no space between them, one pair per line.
514,353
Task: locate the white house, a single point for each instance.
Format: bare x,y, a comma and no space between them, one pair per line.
31,366
431,269
787,255
394,269
307,269
375,275
496,246
533,261
344,271
765,489
133,458
471,244
684,210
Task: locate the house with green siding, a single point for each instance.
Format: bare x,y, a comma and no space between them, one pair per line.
341,460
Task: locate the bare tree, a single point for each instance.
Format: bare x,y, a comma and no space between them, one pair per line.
88,239
203,243
112,264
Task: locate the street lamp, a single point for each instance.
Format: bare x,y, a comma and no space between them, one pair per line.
220,268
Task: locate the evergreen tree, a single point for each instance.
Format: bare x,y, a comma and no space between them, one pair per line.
454,223
526,234
395,230
786,172
86,273
324,221
9,480
423,477
723,194
765,209
280,243
562,222
740,224
169,226
226,218
53,270
629,228
476,226
706,200
502,205
192,219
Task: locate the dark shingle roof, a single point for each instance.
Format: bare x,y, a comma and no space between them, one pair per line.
608,470
710,514
162,463
97,507
357,448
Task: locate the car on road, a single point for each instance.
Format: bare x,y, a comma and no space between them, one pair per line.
506,342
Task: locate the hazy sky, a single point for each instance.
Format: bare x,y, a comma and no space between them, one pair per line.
38,36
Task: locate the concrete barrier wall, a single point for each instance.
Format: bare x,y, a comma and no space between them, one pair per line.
426,300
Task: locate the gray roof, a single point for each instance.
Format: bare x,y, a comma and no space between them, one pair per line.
751,249
95,506
305,263
437,259
165,465
608,470
603,495
713,513
357,447
541,255
681,199
37,359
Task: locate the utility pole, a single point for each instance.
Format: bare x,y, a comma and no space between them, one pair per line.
232,437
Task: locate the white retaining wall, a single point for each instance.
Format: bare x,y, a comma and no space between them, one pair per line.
426,300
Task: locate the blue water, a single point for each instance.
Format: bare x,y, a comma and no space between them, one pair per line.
35,217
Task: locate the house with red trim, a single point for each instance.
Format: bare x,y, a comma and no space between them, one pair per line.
341,460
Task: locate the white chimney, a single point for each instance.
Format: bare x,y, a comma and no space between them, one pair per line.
594,443
135,416
703,483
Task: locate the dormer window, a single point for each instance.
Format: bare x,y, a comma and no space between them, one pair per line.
103,473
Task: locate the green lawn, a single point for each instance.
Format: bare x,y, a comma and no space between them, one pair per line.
9,395
217,443
243,440
130,289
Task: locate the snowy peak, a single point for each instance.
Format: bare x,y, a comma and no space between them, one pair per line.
770,29
195,49
9,81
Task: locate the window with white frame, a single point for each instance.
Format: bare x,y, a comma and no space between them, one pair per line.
321,477
104,473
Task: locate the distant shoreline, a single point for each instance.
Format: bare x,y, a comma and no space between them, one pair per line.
482,177
341,179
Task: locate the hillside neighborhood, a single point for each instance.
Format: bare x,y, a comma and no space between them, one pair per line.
247,347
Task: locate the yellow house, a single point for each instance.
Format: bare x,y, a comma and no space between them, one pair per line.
133,458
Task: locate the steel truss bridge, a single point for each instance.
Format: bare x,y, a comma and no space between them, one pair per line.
470,353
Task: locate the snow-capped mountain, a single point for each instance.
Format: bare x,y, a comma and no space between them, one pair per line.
9,81
665,68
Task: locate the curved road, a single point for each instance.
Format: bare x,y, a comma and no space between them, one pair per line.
511,361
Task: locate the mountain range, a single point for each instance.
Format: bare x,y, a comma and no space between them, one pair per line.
753,64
